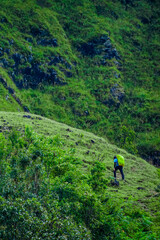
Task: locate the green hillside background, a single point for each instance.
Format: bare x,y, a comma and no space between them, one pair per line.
79,83
93,65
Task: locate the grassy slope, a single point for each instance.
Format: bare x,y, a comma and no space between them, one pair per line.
88,148
133,29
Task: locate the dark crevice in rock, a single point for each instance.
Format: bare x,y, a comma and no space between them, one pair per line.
48,42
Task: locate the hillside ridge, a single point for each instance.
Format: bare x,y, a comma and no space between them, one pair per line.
89,147
87,64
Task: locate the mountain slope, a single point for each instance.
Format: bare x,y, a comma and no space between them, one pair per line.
57,182
141,177
88,64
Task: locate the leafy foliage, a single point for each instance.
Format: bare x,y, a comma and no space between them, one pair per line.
45,195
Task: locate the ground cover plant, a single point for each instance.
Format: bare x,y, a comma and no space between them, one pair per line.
89,64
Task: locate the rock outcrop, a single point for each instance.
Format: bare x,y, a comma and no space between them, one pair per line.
26,71
100,46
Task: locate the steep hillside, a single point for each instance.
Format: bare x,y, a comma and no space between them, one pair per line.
93,65
56,184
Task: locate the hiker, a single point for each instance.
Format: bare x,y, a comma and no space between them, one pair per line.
118,166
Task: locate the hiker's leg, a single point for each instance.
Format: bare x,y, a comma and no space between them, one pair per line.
121,170
115,172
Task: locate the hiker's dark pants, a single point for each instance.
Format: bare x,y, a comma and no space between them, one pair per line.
120,168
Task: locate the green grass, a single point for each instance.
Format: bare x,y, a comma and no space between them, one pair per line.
73,23
90,148
48,189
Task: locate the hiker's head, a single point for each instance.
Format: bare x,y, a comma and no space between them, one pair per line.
115,157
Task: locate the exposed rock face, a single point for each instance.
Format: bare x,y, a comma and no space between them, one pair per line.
116,96
100,46
25,70
117,92
103,47
18,58
35,73
48,42
58,59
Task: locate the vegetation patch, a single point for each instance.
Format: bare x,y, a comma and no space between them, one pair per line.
44,193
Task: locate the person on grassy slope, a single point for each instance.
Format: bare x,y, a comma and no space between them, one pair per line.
119,167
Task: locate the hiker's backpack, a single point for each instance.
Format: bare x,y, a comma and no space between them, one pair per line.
120,160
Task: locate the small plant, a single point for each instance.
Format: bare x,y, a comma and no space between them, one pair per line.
97,179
